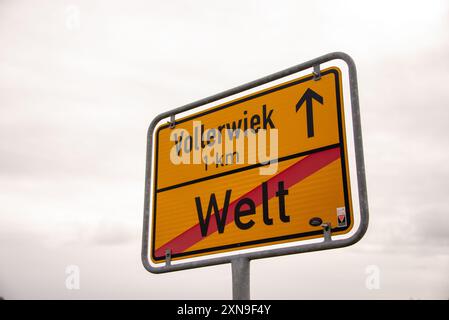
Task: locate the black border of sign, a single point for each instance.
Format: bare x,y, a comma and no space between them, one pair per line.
329,242
269,241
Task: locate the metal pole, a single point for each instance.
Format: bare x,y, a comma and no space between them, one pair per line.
240,279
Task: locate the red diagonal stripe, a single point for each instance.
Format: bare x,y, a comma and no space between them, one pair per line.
291,176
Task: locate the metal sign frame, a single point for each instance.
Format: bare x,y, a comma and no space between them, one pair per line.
240,262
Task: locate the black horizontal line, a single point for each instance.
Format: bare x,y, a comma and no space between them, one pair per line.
257,165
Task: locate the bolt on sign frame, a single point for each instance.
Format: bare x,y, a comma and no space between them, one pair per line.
240,262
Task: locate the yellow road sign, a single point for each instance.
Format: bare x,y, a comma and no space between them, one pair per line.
201,208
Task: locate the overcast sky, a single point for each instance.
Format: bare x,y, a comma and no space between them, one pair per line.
80,82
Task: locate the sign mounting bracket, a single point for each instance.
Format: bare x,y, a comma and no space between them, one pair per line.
327,230
316,72
168,257
172,122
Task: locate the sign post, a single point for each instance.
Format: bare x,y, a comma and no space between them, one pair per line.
240,279
256,176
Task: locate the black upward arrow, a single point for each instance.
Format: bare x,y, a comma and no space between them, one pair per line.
307,97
